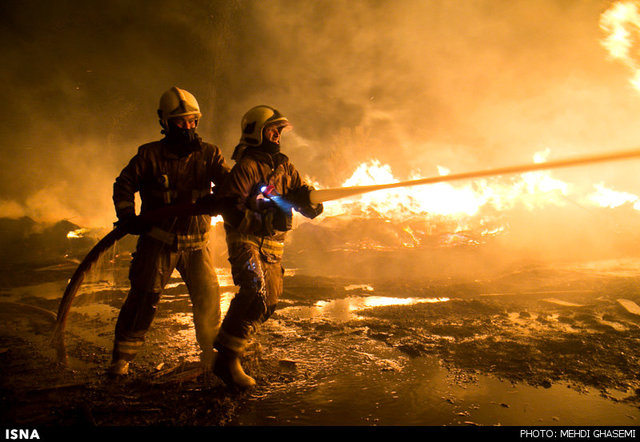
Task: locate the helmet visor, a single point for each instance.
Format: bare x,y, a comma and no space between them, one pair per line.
281,126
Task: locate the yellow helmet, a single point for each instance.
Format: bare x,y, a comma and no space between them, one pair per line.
177,102
255,120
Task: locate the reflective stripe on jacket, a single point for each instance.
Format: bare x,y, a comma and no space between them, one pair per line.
265,245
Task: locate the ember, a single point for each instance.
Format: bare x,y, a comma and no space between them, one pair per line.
77,233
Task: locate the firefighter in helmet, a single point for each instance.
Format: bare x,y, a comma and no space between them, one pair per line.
180,168
259,197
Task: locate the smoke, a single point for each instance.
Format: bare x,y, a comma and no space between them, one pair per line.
82,83
461,84
415,84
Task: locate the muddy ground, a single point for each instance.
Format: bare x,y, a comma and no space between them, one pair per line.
565,326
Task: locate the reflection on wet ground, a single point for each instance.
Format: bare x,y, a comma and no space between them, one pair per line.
370,382
422,392
345,309
537,346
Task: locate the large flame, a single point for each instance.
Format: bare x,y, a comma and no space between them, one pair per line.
528,191
621,24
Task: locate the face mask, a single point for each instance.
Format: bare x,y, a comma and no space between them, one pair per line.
270,146
182,136
183,141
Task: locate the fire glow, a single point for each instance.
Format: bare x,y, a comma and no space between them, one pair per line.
479,206
78,233
621,24
529,191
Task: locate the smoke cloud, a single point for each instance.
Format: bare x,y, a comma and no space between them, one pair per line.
462,84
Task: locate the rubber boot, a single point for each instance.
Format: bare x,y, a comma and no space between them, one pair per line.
119,367
227,367
207,358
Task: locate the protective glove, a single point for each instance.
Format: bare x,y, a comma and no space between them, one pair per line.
133,225
259,203
300,197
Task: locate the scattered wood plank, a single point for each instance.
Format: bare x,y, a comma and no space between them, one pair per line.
629,306
179,373
182,376
59,386
562,303
183,366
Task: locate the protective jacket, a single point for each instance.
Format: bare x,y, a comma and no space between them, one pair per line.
256,168
255,253
164,176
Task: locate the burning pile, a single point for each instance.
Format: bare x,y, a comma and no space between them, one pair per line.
24,240
470,205
532,214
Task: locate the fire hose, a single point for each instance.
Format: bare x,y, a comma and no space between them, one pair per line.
94,256
316,197
324,195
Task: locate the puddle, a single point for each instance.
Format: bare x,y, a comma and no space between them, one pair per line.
424,393
346,309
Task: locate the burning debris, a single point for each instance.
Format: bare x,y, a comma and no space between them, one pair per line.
487,224
533,188
25,241
77,233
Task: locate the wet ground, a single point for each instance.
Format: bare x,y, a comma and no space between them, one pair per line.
537,345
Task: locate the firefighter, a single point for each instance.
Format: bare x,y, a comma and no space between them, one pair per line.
259,194
180,168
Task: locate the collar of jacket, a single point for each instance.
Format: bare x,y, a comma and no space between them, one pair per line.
258,154
169,153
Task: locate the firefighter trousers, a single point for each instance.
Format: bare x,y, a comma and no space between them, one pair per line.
260,286
151,267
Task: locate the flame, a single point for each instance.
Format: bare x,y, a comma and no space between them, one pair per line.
604,197
216,220
621,24
467,205
440,198
77,233
531,189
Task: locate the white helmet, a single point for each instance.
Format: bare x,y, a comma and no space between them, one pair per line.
177,102
255,120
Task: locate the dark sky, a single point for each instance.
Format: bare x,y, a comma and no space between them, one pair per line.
413,83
